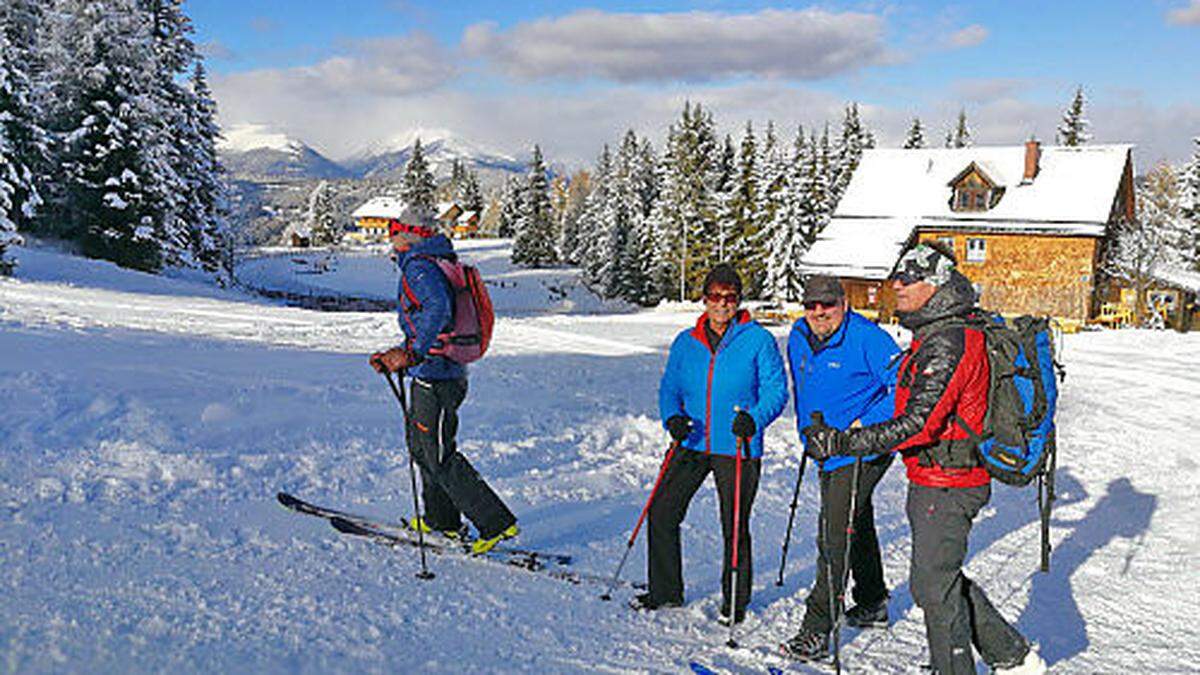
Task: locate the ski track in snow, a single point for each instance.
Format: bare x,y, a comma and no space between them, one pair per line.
145,433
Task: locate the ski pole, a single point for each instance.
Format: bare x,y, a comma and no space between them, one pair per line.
841,600
412,473
737,519
645,510
787,538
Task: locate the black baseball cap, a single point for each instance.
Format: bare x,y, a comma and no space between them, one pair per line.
823,289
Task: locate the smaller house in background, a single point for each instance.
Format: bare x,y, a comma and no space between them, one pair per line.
297,236
371,219
447,215
466,225
1026,223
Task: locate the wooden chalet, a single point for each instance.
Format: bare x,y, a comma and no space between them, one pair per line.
466,225
1027,223
371,219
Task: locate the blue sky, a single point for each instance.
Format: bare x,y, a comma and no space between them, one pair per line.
572,76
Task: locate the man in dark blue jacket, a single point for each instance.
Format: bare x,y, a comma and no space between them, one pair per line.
843,366
450,486
724,381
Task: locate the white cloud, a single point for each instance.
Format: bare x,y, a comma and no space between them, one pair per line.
214,49
381,66
985,90
1185,16
970,36
693,46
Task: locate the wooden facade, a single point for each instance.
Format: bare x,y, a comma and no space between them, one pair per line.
372,228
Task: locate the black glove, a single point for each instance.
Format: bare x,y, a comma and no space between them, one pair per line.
679,426
743,425
823,441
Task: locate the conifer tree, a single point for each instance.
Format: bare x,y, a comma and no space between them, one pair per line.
786,244
1190,204
18,191
207,201
534,245
915,138
687,206
743,206
322,216
854,139
467,193
1073,130
960,136
510,208
418,186
573,209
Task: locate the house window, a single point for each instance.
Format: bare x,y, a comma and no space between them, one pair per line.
976,250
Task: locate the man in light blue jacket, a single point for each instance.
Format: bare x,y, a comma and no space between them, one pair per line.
724,381
843,366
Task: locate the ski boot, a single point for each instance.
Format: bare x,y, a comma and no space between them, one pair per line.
806,646
868,616
481,546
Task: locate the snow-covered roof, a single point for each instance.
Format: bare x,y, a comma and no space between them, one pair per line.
1073,185
1185,279
380,207
894,192
857,247
467,216
444,209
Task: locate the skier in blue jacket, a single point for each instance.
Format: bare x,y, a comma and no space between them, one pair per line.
724,380
843,366
450,486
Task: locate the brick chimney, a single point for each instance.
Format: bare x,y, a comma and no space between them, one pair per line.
1033,153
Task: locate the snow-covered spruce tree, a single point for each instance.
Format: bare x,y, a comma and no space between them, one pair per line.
594,238
960,136
848,151
322,216
23,143
726,203
772,196
207,203
639,264
571,220
742,207
686,208
111,171
1190,204
1136,249
786,244
535,236
417,188
1073,130
510,208
818,205
468,194
915,138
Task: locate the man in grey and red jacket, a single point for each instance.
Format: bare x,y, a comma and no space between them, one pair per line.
942,384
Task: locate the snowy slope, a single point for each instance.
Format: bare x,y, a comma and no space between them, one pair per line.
145,431
257,151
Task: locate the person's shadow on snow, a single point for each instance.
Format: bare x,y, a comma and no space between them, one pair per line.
1052,616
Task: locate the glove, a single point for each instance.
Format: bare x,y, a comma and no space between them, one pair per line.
393,360
679,426
823,441
743,425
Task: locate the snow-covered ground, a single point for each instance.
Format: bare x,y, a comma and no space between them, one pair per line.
146,424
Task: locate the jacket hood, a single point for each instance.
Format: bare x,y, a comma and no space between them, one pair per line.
438,246
954,299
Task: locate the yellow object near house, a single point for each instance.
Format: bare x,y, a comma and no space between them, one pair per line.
1114,315
372,218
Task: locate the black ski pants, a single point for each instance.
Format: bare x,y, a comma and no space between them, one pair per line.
865,563
957,613
450,486
683,477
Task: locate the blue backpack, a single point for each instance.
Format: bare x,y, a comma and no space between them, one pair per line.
1017,443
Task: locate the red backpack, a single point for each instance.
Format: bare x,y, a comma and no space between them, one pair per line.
472,314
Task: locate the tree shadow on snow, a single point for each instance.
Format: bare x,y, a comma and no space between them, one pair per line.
1052,616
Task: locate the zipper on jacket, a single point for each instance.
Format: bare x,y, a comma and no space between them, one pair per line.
712,362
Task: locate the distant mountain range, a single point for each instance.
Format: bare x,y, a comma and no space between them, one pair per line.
253,152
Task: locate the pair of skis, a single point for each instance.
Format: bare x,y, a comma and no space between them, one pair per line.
551,565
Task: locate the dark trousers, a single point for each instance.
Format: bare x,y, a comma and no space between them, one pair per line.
686,473
957,613
450,486
865,563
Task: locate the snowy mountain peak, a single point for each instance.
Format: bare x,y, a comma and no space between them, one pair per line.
247,137
442,143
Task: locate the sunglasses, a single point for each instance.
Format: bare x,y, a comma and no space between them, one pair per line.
905,278
723,298
817,304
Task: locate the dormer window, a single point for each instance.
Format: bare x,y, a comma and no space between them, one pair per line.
974,190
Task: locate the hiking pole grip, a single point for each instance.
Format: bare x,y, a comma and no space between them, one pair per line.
398,392
662,470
